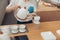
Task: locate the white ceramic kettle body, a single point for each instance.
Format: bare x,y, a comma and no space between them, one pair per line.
22,13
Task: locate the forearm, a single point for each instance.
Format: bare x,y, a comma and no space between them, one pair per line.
32,14
8,10
12,8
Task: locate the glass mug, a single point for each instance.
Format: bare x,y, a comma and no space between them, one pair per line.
36,19
22,28
14,29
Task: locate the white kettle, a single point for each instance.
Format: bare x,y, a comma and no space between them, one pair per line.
22,13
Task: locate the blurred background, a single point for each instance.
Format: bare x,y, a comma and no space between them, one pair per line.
8,18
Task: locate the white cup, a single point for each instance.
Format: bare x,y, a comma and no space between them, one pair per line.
5,29
22,28
4,36
36,19
14,29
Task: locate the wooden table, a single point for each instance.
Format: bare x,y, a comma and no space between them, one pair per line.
35,30
46,8
48,13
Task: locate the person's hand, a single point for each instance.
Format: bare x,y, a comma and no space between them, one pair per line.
32,14
28,16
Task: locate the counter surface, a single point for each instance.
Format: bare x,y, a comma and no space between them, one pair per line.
46,8
35,30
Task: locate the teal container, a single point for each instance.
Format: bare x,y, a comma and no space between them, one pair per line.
31,9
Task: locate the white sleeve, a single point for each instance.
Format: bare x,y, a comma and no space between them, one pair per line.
11,3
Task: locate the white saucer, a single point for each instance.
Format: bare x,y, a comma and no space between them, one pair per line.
14,31
36,22
22,30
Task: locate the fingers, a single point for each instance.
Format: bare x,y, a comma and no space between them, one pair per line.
19,6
